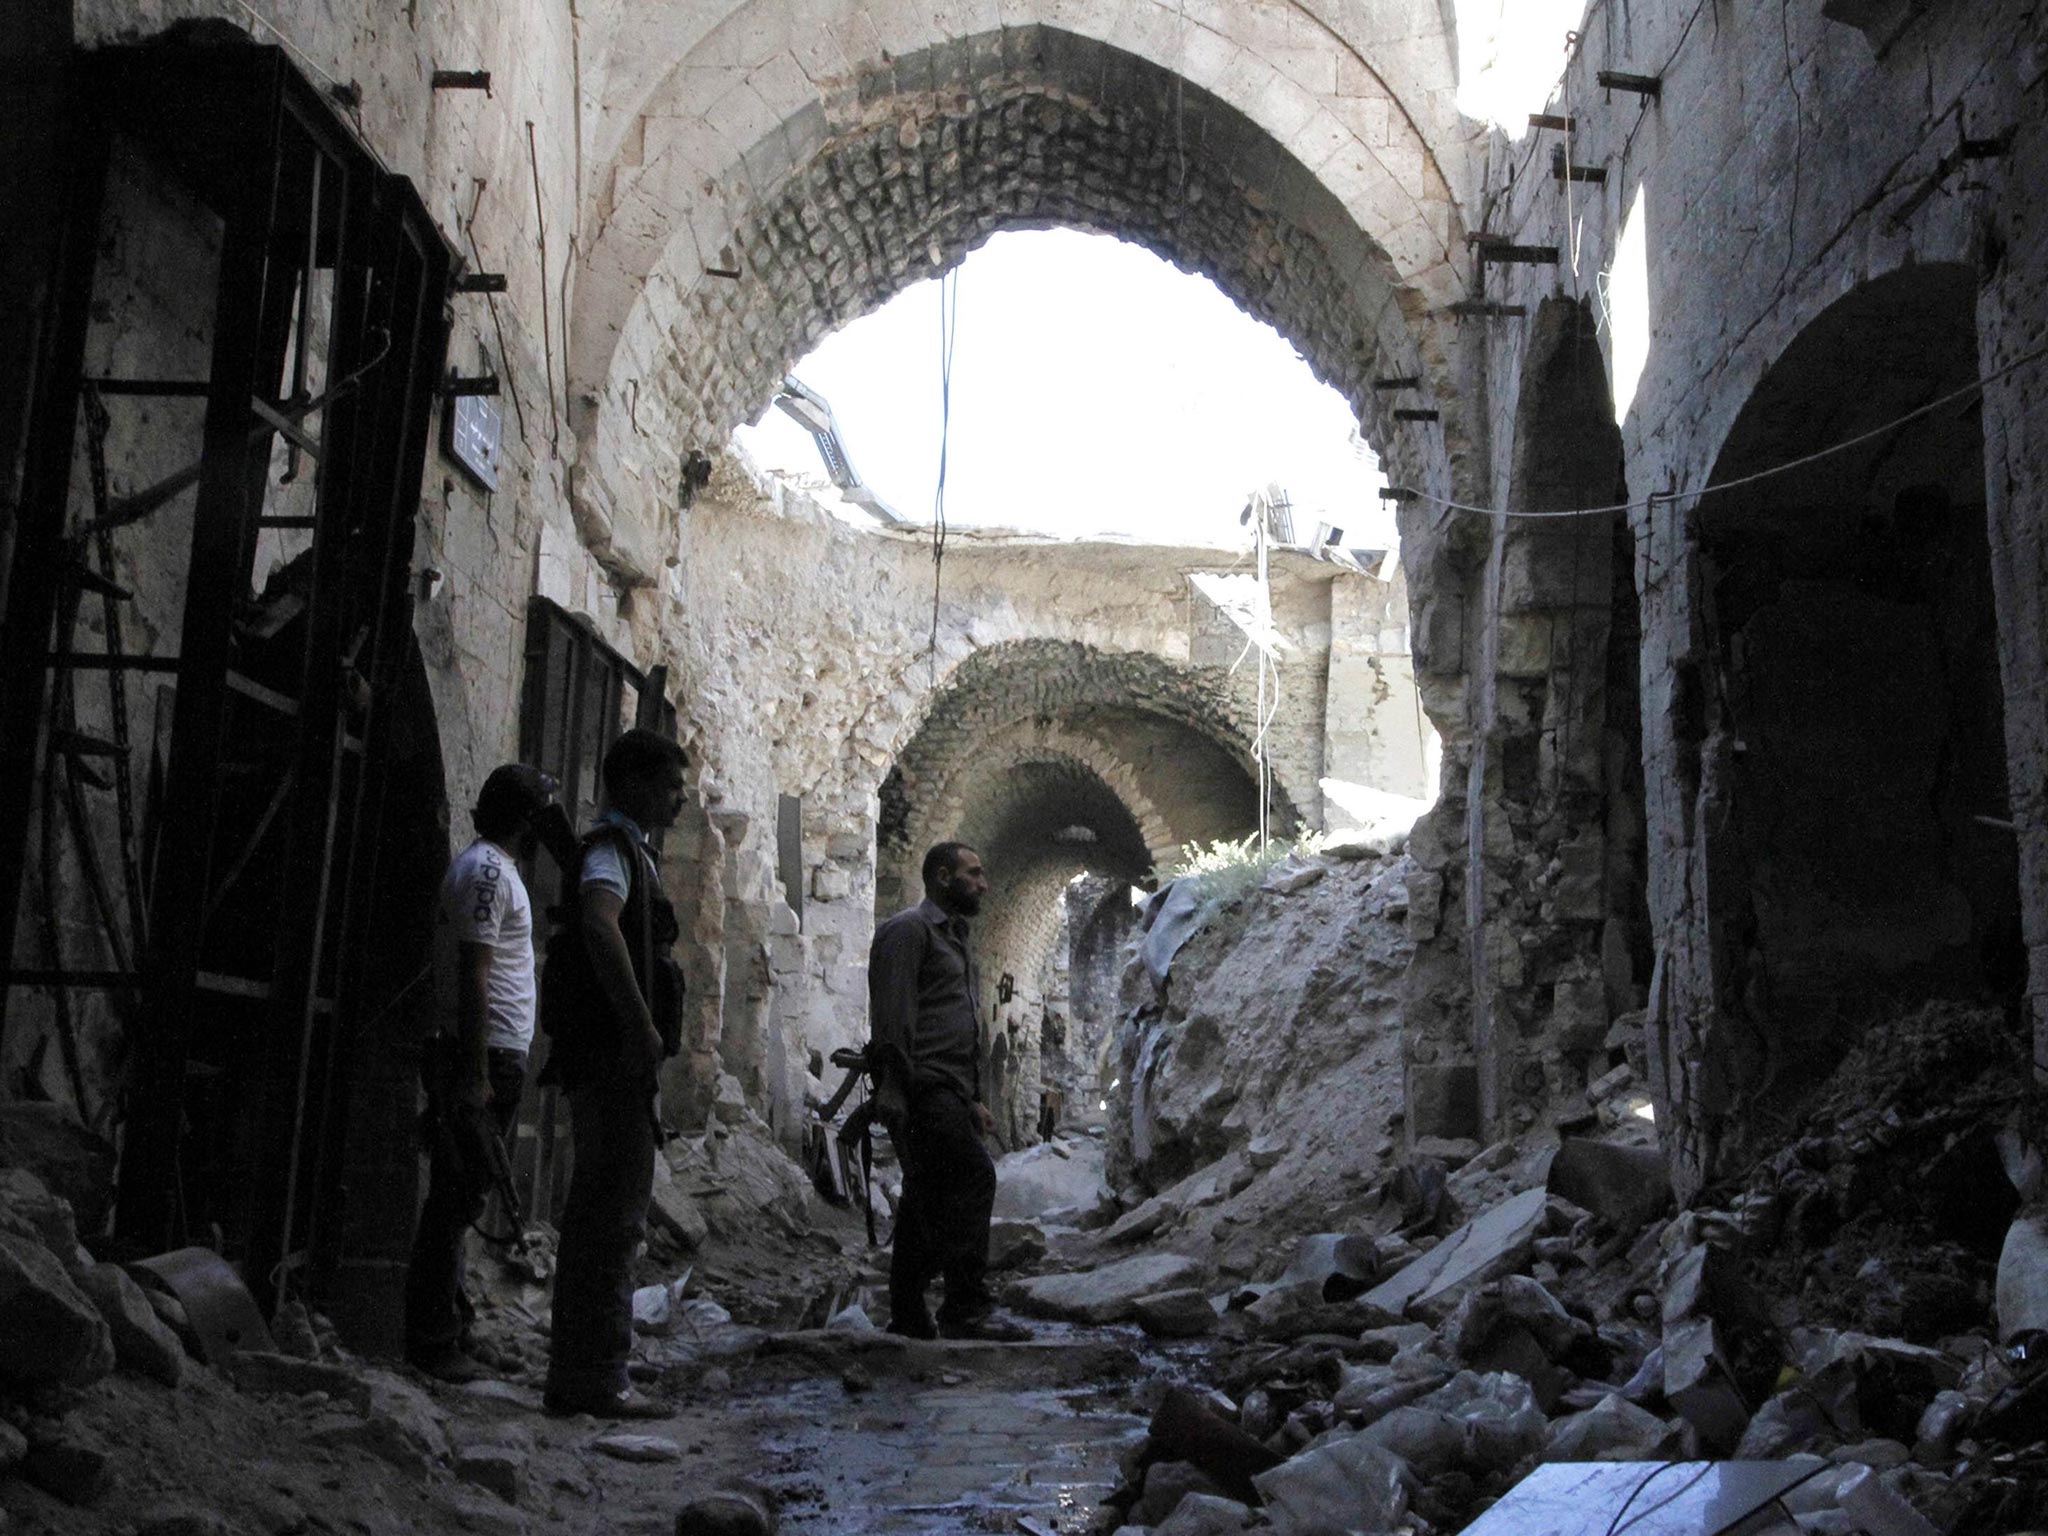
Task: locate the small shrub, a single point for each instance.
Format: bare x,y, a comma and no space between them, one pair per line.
1224,871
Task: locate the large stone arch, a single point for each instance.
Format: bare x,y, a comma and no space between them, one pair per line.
1088,702
1327,214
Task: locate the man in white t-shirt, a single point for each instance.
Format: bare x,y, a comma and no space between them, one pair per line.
486,917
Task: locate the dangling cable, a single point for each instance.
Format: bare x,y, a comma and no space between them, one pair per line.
949,328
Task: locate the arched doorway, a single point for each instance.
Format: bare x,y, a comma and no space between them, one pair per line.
1867,862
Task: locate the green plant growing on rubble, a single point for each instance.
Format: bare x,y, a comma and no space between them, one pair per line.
1224,871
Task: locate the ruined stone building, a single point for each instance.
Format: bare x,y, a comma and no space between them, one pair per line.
368,377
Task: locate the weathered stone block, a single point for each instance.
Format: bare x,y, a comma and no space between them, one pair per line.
50,1332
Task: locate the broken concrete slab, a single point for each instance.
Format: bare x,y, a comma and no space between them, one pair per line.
1146,1221
1014,1245
1624,1186
50,1332
1107,1294
1344,1485
1699,1384
1613,1429
2022,1295
1493,1244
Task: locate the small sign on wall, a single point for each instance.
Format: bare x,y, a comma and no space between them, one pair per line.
471,428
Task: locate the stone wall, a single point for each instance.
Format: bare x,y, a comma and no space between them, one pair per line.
1062,692
1787,160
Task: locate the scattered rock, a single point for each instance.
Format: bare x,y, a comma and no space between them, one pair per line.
2023,1276
142,1343
185,1522
1613,1425
853,1319
653,1311
1266,1151
1339,1487
71,1161
1107,1294
1491,1245
499,1469
13,1446
671,1209
1014,1245
268,1373
624,1446
65,1463
1286,881
725,1514
1166,1484
1626,1187
1181,1314
1205,1514
50,1332
29,1209
1700,1385
1147,1220
1453,1152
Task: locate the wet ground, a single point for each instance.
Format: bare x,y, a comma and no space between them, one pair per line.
952,1444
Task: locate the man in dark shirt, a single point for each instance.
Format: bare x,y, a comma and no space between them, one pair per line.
924,1018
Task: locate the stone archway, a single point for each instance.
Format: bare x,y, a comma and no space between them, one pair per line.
745,210
1835,762
1055,761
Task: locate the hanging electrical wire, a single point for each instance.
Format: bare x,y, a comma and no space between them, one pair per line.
949,329
1952,397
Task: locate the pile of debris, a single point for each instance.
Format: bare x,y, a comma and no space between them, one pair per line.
1829,1323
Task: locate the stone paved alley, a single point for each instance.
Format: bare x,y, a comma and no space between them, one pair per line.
1514,976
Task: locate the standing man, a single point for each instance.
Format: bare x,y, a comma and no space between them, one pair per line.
924,1021
475,1074
612,1018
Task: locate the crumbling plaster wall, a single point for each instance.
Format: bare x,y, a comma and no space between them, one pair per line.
1788,158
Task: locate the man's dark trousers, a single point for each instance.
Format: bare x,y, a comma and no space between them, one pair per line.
437,1311
612,1122
949,1192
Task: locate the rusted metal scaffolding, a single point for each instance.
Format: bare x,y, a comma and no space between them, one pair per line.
249,912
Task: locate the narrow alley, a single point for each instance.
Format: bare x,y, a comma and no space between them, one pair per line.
1133,767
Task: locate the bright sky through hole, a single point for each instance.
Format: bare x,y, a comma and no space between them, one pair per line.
1096,390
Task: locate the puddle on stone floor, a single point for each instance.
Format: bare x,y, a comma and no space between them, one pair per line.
907,1457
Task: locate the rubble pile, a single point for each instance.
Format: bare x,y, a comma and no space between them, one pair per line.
122,1411
1832,1314
1260,1076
